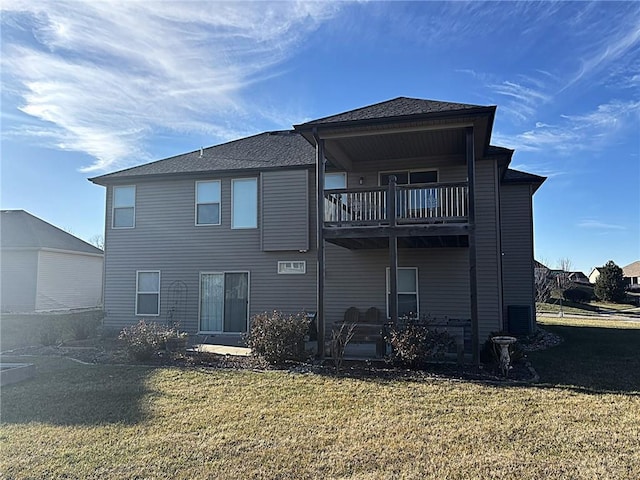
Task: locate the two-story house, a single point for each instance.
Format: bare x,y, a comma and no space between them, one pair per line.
403,205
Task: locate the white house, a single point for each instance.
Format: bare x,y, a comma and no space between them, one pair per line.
44,268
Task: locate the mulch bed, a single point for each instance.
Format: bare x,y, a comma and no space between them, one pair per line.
109,351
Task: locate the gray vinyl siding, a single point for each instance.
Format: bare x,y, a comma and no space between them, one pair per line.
357,278
285,210
166,238
517,245
19,280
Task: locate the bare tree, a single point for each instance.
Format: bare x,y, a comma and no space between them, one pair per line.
97,240
543,283
563,282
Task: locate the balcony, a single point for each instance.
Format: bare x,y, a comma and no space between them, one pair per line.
420,215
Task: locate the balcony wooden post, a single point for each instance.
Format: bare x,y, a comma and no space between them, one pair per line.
320,165
393,251
473,279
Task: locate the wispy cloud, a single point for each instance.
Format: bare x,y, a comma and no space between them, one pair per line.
617,38
598,225
105,75
521,97
576,132
544,169
521,100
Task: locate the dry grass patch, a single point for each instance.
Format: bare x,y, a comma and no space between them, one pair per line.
112,422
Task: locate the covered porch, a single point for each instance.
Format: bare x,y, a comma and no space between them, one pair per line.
399,134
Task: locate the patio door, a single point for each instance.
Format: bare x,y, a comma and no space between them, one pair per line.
224,302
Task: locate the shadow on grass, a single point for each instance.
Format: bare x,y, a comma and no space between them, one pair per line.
64,392
593,359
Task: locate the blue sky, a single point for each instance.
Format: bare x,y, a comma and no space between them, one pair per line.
93,87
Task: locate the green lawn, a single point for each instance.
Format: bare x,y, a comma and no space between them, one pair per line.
112,422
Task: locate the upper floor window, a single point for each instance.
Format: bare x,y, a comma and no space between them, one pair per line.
244,201
334,181
412,177
124,207
208,203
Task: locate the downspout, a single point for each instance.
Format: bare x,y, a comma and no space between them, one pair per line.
320,320
534,319
500,253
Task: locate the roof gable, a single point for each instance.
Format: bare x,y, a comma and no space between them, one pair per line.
20,229
397,107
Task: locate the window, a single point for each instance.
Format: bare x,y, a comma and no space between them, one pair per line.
224,302
335,180
208,203
412,202
148,293
334,203
124,207
407,292
404,178
292,268
244,203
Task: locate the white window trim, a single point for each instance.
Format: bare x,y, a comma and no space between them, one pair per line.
210,332
302,271
408,171
257,206
139,292
416,293
219,182
113,207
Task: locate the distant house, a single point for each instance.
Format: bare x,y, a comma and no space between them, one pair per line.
44,268
595,273
578,277
631,273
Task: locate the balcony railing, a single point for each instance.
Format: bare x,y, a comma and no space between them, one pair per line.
418,203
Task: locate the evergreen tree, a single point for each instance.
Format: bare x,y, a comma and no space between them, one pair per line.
610,284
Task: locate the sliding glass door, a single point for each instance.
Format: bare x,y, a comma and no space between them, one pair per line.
224,302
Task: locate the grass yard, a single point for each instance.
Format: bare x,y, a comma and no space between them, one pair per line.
113,422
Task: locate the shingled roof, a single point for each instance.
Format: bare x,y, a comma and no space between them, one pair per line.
265,150
516,176
20,229
632,270
397,107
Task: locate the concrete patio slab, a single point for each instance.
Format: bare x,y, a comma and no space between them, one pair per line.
220,349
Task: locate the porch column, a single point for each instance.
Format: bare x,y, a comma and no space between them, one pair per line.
320,161
473,280
393,251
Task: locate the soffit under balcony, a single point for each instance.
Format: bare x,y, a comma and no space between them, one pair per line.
345,145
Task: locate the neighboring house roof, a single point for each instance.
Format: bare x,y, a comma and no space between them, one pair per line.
578,277
632,270
537,264
20,229
394,108
258,152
